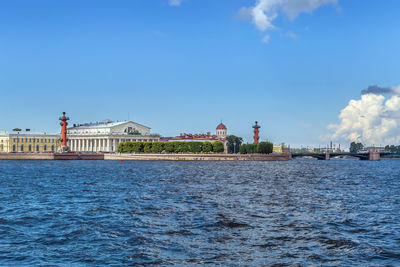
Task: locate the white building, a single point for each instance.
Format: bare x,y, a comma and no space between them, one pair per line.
107,135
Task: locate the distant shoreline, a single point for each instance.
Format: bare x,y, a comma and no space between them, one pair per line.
145,157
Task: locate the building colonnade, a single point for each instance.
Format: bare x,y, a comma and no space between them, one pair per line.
97,144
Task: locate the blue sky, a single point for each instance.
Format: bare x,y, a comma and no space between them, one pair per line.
184,68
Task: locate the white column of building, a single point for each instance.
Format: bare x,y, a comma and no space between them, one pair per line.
108,145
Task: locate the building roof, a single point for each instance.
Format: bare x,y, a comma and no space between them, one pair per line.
221,126
26,133
103,124
194,137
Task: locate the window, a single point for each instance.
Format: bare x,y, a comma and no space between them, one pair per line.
52,148
45,148
1,147
22,148
37,148
30,148
13,148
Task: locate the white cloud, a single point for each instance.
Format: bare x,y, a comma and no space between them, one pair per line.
266,39
292,35
372,120
264,12
175,2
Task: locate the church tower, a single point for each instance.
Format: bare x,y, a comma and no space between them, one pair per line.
221,130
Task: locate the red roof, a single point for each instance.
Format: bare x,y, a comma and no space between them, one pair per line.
221,126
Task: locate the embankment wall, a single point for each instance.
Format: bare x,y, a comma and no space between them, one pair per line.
146,157
199,157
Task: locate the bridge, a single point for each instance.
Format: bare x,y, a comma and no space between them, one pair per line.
372,156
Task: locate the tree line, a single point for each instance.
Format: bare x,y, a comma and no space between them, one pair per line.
393,149
171,147
234,145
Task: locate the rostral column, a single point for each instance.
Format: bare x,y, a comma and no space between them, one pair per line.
256,132
64,124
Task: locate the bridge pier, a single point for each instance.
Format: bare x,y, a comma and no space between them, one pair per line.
326,156
374,156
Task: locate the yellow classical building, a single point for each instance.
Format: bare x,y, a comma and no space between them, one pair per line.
28,142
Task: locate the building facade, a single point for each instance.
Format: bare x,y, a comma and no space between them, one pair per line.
28,142
107,135
221,134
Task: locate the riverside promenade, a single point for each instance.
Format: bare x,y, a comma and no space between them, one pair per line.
145,157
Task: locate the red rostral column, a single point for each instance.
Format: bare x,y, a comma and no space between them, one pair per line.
63,124
256,137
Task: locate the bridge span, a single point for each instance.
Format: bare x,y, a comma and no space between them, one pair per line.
372,156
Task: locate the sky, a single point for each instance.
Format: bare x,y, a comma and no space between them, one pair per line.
304,69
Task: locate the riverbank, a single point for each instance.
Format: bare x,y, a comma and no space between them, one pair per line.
199,157
145,157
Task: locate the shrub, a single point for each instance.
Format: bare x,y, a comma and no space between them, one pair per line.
206,147
137,147
121,147
262,147
195,147
147,147
243,149
169,147
218,147
265,147
157,147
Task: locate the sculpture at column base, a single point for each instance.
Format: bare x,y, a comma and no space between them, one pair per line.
63,149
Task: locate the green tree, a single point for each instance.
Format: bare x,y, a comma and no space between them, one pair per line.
169,147
250,148
137,147
121,147
265,147
181,147
218,147
147,147
243,149
195,147
233,143
157,147
356,147
206,147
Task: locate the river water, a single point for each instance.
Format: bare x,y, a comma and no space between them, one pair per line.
301,212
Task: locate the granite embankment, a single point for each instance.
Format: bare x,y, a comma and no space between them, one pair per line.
199,157
50,156
144,157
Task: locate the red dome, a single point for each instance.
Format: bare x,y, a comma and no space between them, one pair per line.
221,126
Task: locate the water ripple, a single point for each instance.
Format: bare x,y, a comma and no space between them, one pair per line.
302,212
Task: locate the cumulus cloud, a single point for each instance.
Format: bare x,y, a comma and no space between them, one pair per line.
264,12
373,120
175,2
